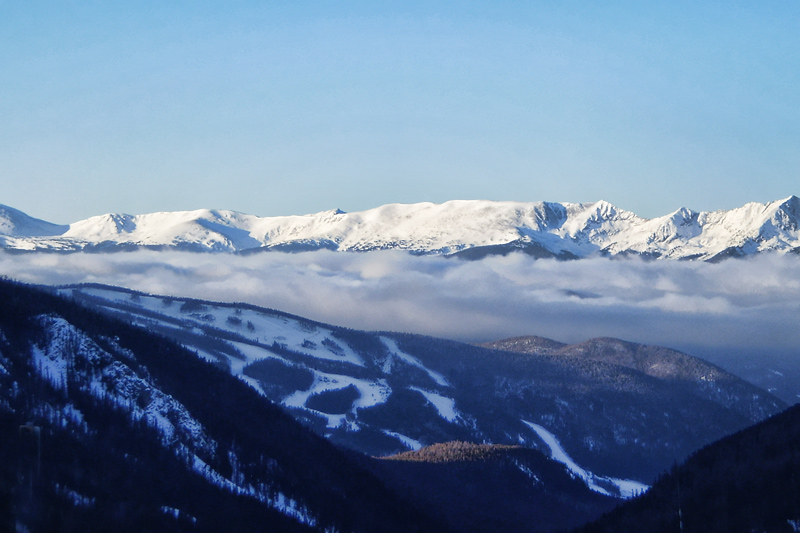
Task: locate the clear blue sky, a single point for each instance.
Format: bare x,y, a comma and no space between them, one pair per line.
295,107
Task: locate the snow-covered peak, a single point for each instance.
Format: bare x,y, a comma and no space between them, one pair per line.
555,229
15,223
788,213
595,219
204,228
103,227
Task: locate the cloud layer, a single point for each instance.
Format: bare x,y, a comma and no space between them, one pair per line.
736,304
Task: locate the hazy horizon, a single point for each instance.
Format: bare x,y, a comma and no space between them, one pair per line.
739,304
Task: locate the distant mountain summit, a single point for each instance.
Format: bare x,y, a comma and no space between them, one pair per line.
15,223
466,228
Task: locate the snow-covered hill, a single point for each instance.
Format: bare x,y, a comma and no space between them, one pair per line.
382,393
17,225
472,228
108,427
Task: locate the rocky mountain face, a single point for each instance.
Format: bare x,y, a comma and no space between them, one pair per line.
468,229
609,419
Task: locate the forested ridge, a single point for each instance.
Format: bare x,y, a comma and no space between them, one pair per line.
105,470
748,481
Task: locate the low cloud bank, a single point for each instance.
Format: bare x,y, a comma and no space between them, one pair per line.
736,304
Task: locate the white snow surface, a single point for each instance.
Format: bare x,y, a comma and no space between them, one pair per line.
293,508
446,407
371,393
15,223
622,488
279,501
177,513
55,359
580,229
267,328
237,369
394,350
50,366
263,328
78,499
408,442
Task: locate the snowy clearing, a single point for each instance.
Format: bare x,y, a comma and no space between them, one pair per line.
391,345
371,393
622,488
445,406
409,443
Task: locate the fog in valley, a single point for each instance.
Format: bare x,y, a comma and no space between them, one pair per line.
735,305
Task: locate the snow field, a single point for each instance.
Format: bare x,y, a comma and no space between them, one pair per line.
279,501
252,354
53,369
408,442
78,499
395,351
431,228
446,407
626,488
371,393
264,328
65,343
267,328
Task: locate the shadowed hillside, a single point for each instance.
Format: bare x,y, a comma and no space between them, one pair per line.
481,487
749,481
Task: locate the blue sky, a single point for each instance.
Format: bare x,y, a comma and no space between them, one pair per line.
288,108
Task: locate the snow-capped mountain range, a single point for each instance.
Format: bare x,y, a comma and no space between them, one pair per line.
470,228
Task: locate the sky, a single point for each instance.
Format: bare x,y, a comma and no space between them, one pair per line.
275,108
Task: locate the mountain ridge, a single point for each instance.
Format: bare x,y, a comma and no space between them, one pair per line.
111,428
696,375
382,392
469,228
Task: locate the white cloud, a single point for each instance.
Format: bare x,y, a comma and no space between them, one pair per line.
736,303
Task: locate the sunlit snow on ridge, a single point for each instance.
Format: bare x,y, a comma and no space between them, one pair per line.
564,229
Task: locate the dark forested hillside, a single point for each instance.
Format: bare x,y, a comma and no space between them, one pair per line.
692,375
109,428
749,481
483,487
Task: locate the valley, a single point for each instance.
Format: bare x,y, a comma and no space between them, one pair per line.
383,393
